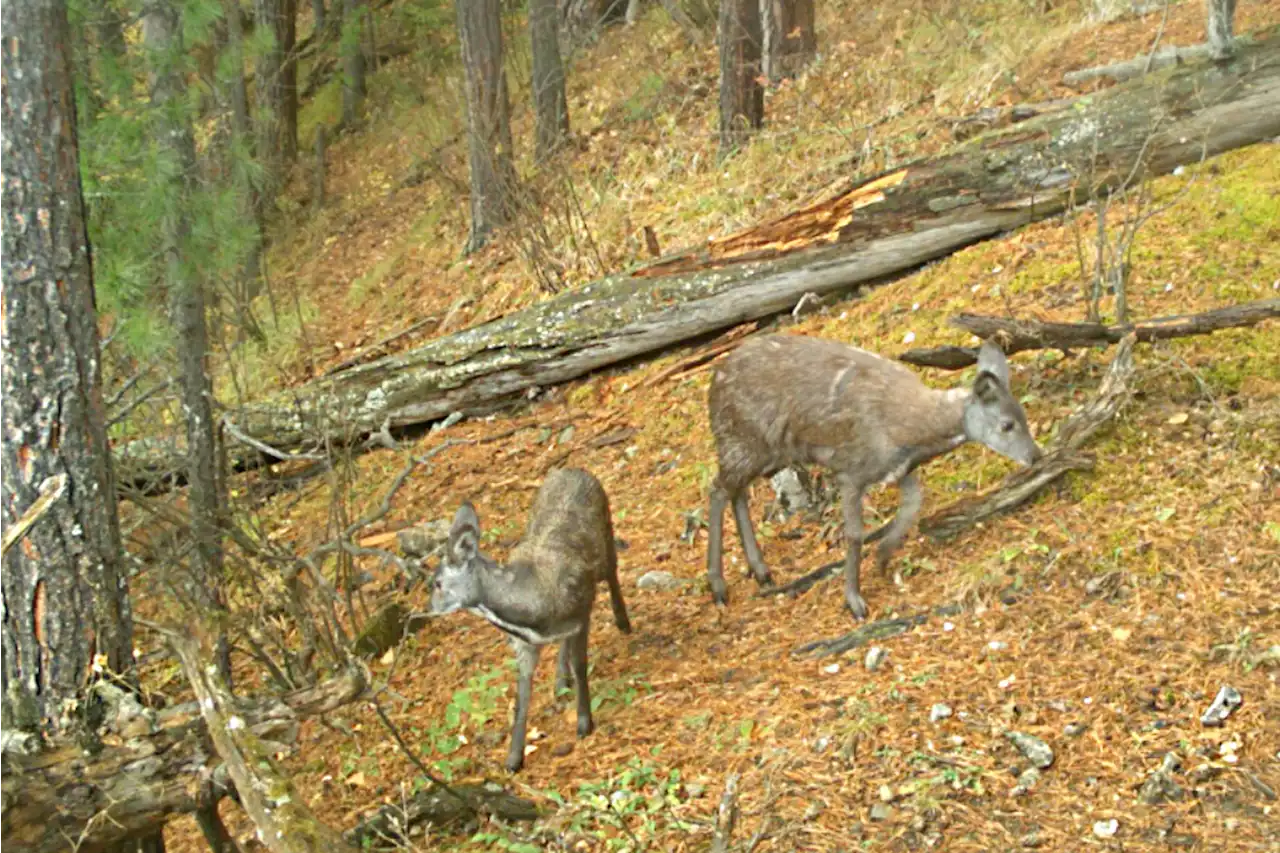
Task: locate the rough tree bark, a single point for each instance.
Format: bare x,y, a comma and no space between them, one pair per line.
741,95
489,146
550,105
65,593
1222,43
162,34
790,38
275,126
352,49
865,231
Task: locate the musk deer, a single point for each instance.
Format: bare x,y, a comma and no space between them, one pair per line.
545,591
788,400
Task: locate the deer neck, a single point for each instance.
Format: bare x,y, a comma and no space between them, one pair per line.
938,429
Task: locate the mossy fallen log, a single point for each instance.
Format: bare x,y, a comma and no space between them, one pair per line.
861,233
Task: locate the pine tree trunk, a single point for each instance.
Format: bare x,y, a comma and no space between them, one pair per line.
287,34
741,95
162,33
790,40
550,104
352,62
66,596
1221,40
489,144
317,15
268,80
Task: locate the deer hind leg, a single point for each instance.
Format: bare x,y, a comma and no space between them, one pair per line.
564,672
577,645
750,547
851,506
715,544
910,499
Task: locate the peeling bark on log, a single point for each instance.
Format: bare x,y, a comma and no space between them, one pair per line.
388,827
1021,335
148,766
864,232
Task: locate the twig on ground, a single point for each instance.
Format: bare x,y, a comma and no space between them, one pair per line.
244,438
1019,335
726,816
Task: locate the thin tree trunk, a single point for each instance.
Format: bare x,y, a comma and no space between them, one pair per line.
352,62
268,79
287,34
317,15
1222,43
550,104
65,593
242,144
741,95
870,229
489,144
790,41
162,33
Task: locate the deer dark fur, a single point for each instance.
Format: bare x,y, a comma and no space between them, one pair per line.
788,400
545,591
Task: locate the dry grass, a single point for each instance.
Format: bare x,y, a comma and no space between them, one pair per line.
1178,528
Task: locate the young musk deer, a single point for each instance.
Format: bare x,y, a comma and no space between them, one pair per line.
545,592
786,400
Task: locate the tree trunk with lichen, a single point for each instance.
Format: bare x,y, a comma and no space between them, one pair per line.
66,597
741,93
862,232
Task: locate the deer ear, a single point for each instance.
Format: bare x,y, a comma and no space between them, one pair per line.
986,388
991,360
464,534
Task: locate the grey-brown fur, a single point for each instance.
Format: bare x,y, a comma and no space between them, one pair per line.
545,591
788,400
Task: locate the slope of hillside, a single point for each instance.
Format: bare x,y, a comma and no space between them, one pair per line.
1102,618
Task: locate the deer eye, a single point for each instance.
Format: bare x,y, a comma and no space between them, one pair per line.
1007,426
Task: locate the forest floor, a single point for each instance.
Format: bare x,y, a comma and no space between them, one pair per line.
1101,618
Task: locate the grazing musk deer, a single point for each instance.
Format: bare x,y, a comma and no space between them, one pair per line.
786,400
545,591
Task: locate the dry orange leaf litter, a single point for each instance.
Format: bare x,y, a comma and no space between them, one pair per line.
1100,620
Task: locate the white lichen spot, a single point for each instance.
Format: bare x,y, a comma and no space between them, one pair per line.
235,723
207,704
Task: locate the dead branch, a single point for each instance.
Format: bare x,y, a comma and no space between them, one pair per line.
1119,72
155,764
1020,335
285,824
1063,456
803,584
882,629
391,823
726,816
50,490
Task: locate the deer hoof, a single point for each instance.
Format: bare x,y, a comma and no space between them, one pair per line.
514,763
857,605
585,727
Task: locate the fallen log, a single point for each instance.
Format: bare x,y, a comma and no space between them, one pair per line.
1020,335
146,767
1145,63
864,232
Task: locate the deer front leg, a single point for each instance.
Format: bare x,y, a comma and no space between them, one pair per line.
909,501
564,675
750,547
851,504
526,662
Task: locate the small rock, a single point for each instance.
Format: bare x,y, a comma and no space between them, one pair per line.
1227,700
822,744
1159,786
560,750
939,712
1074,729
876,656
1231,824
886,794
1031,840
660,581
1106,828
831,669
1057,705
792,494
566,435
1035,750
997,645
881,812
1027,780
